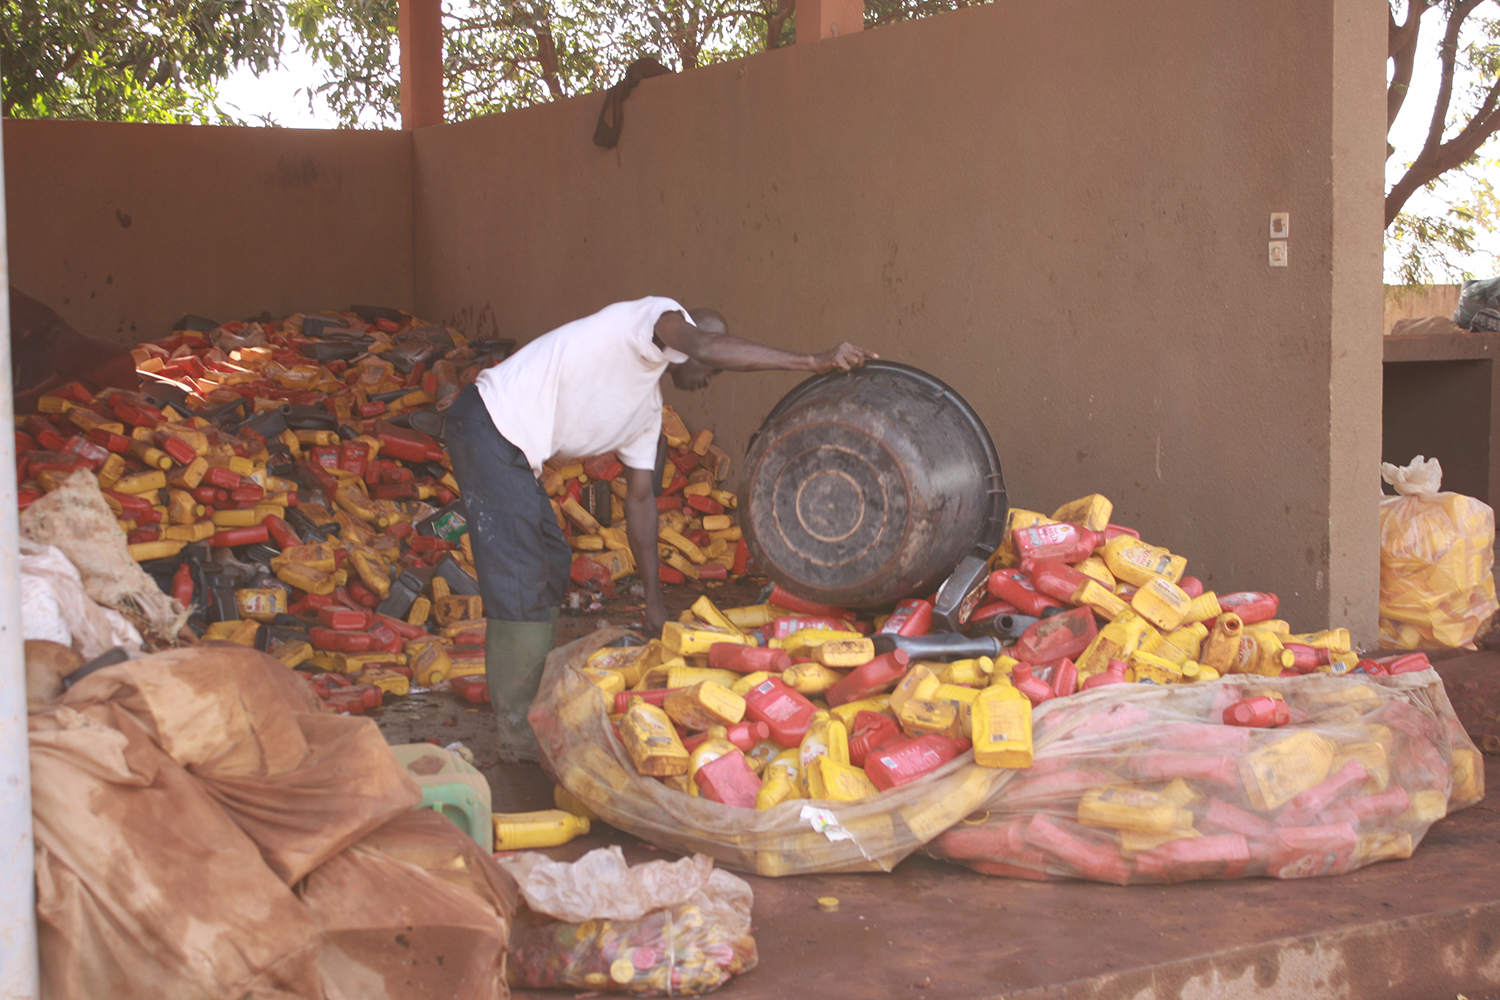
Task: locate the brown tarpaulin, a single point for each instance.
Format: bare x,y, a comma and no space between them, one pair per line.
203,830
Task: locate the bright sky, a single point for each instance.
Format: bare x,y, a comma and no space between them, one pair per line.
275,94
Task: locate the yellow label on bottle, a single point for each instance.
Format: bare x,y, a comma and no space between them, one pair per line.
1279,771
1002,728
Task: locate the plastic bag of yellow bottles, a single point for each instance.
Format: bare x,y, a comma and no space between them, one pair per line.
581,750
1139,784
1437,585
661,928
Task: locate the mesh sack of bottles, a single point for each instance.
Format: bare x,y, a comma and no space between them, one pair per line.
1142,784
1437,560
856,741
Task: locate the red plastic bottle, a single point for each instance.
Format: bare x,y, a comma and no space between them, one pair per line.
744,659
1054,578
1411,663
730,780
742,734
1261,712
911,617
787,712
1251,606
1068,542
1113,531
1035,691
1306,659
902,762
1015,586
343,619
870,732
1308,806
785,599
343,642
231,537
880,674
1113,674
182,584
1191,586
1067,634
785,625
281,532
657,697
1064,680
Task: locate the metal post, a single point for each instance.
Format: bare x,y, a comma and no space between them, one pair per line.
18,960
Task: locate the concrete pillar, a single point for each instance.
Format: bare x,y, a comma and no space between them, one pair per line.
819,19
1356,297
420,24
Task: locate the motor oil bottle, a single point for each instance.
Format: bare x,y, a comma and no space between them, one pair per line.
1063,679
1133,561
1335,640
879,704
1275,773
762,753
1124,808
744,659
1161,603
1095,568
1036,691
1192,670
1014,586
918,717
1067,542
911,617
811,679
1191,586
910,759
1182,644
1184,858
1135,842
709,613
1261,712
845,653
920,682
833,781
1092,859
1057,579
825,737
1113,674
1067,634
783,780
742,686
870,731
1102,599
1261,653
1091,512
546,828
685,641
1148,668
1306,807
972,672
729,779
1115,641
1307,659
1311,851
1002,727
1005,555
678,676
880,674
1222,646
1203,608
784,710
1251,606
703,705
651,741
715,745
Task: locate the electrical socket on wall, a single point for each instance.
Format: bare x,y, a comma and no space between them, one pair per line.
1277,250
1281,225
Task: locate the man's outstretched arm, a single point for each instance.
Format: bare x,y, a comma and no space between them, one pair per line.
727,352
640,526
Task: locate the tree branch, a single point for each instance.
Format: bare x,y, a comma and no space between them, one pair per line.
1402,48
774,22
1436,159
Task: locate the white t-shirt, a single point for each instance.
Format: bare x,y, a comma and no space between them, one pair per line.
588,387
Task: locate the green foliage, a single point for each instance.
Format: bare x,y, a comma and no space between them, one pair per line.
130,60
1426,246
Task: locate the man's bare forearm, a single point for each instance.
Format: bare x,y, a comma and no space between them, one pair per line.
640,526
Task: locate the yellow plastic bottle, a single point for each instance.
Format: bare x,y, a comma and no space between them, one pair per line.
761,755
919,716
716,746
838,782
1222,646
1005,556
1161,603
707,612
846,712
742,686
1277,772
1092,512
546,828
1135,562
1192,670
920,682
1261,653
751,616
651,741
685,677
1148,668
1002,727
1096,568
1132,809
845,653
1280,628
1115,641
825,737
1335,640
962,699
810,678
975,672
703,705
783,780
685,641
1183,643
1203,608
570,803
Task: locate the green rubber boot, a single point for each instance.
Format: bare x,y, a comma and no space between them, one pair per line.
514,654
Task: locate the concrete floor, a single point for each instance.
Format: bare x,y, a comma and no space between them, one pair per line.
1425,928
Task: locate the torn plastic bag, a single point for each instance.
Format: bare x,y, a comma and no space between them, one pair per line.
1437,560
1136,783
660,928
580,750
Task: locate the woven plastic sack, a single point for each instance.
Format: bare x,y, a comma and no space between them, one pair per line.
662,928
1135,784
1437,560
581,752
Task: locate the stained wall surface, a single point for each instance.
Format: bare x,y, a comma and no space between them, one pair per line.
1061,209
124,228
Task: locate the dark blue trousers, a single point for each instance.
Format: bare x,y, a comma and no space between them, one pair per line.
519,551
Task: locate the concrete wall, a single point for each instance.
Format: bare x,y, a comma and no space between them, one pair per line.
124,228
1430,300
1061,209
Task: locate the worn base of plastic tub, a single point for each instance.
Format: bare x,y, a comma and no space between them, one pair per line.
1425,927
